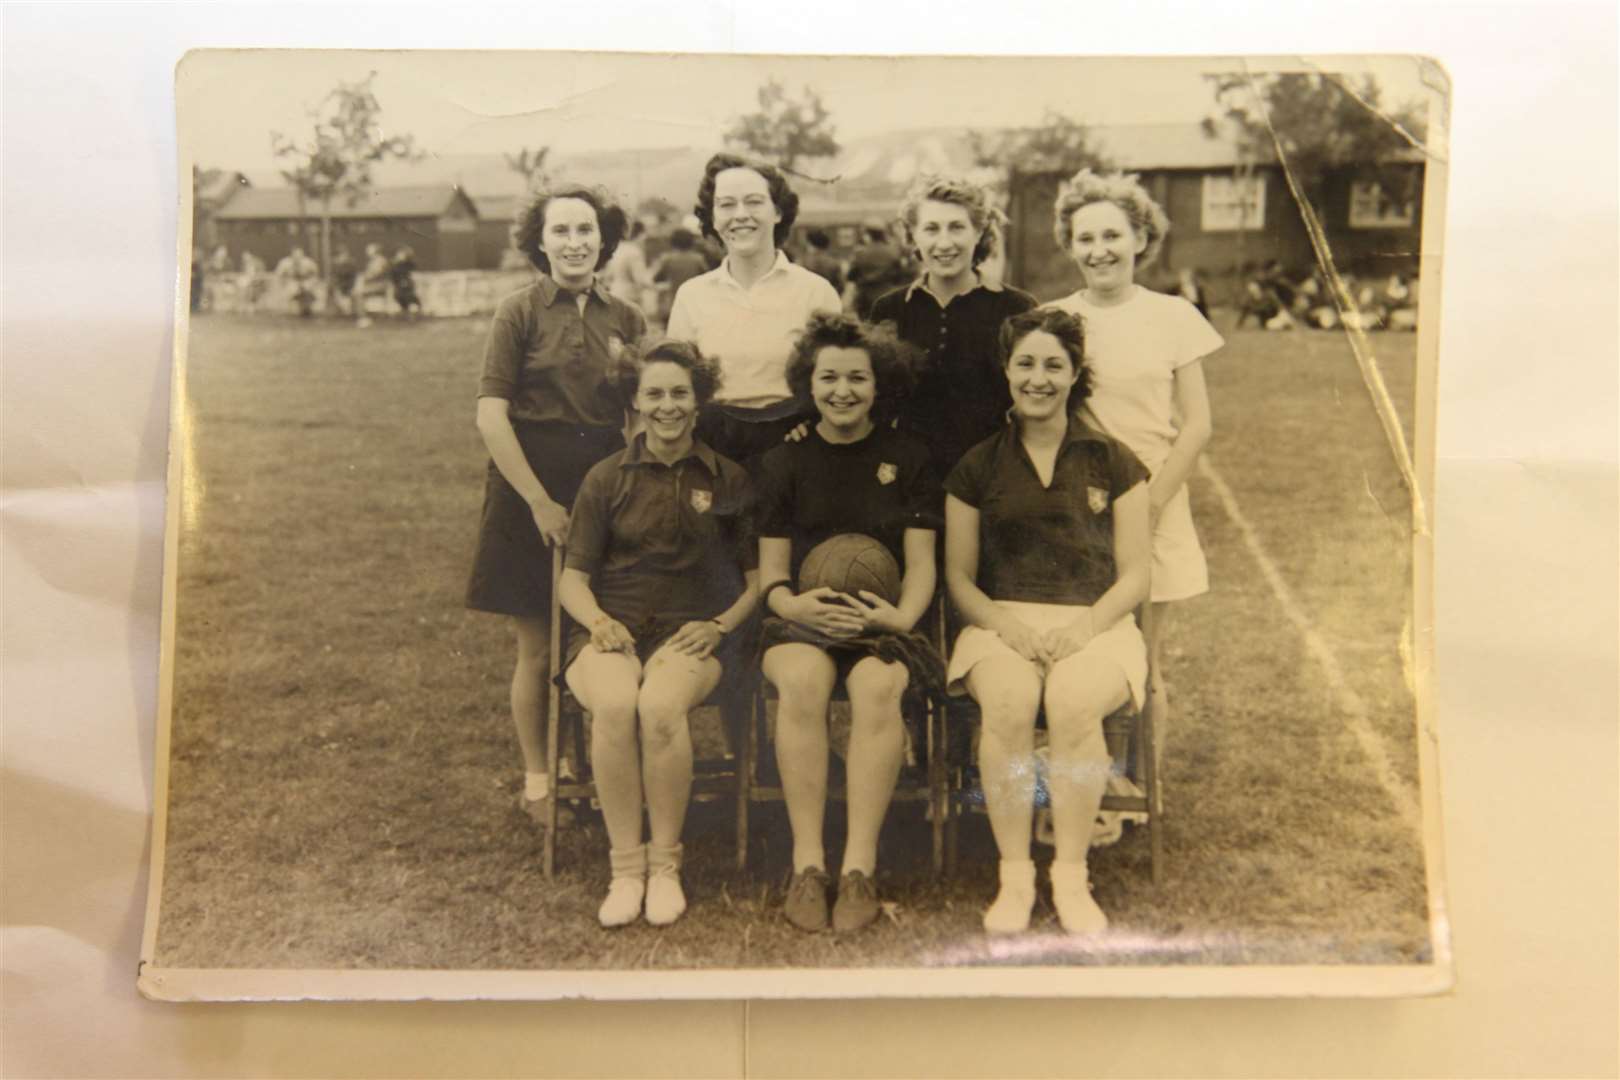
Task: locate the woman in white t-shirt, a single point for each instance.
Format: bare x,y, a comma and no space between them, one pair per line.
1145,350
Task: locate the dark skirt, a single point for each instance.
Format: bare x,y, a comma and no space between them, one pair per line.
914,650
511,572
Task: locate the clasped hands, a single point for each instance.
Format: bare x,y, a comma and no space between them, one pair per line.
1045,649
840,615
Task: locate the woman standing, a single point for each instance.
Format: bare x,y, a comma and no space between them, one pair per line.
1046,558
548,409
659,578
851,473
953,314
1146,352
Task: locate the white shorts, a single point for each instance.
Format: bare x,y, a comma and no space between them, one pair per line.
1179,570
1121,644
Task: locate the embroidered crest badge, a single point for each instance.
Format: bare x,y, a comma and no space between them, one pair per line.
1097,499
702,500
887,473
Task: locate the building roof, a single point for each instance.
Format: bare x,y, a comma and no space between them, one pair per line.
269,204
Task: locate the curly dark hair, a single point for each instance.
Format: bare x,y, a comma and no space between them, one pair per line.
705,370
531,223
894,363
786,200
1070,332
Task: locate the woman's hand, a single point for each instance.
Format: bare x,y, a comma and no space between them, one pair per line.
1021,639
1065,641
825,611
878,613
609,635
552,520
698,639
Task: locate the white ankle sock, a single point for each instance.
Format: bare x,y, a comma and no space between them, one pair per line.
1071,895
1009,914
666,901
536,785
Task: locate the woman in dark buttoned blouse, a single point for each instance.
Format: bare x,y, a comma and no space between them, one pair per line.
548,409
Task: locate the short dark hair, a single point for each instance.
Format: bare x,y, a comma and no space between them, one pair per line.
1070,332
893,361
786,200
531,223
818,239
705,370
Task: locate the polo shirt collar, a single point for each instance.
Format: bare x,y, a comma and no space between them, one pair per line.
1079,432
638,454
550,290
979,283
779,265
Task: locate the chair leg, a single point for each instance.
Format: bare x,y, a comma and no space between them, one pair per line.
746,749
937,792
553,716
1149,760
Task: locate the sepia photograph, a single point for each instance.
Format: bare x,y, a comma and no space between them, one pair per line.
721,526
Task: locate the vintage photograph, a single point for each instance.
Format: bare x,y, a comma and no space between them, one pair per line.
743,526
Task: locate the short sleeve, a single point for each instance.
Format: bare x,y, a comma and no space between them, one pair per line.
824,298
774,492
736,520
503,352
635,324
924,497
1125,470
1195,337
966,481
682,321
589,524
887,307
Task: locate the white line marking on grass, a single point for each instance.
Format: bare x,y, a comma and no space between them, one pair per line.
1400,793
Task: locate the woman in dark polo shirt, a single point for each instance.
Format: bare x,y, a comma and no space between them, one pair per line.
953,315
1047,556
851,473
548,410
659,578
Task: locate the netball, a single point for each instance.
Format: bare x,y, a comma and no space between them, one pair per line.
851,563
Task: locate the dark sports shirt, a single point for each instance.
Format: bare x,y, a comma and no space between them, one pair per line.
552,360
666,540
813,489
961,396
1046,545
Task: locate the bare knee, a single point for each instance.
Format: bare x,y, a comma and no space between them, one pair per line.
803,678
662,720
533,643
875,688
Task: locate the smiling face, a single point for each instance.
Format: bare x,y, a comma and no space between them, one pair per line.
572,241
1105,247
666,401
1040,374
843,389
945,237
744,215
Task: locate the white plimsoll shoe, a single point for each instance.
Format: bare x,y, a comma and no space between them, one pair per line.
629,886
1071,895
1009,914
666,901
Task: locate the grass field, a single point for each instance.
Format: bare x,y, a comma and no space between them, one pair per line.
344,775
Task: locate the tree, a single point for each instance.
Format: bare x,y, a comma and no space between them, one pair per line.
784,130
1319,126
335,161
1058,144
531,165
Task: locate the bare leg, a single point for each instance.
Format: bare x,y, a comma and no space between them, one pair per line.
876,744
1008,690
803,676
528,690
1080,691
671,687
606,685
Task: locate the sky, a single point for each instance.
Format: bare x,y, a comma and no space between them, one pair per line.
497,102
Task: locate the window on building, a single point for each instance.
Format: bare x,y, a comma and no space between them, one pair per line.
1370,208
1231,203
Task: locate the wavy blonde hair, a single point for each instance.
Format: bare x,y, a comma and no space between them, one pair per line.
1125,191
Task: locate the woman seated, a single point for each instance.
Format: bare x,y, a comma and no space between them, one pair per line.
1047,556
851,473
659,577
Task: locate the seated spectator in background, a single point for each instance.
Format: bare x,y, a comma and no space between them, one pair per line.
402,272
344,275
1274,280
1190,287
254,282
1263,305
297,273
818,260
680,264
1400,304
373,285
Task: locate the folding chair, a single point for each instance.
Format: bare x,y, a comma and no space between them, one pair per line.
1131,743
922,717
713,779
